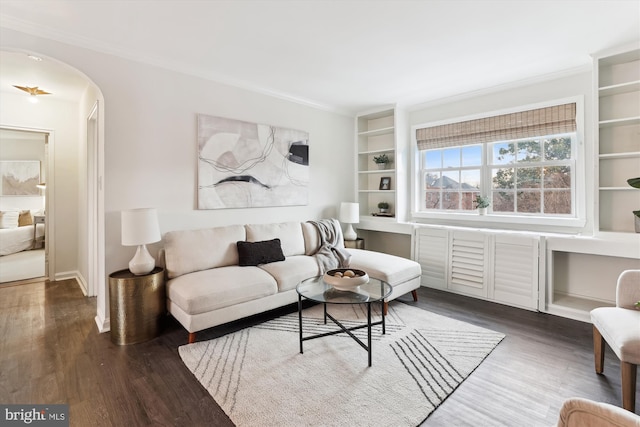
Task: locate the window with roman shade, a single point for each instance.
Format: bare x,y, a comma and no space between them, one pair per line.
523,161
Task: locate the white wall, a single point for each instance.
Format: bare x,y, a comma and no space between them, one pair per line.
150,143
61,116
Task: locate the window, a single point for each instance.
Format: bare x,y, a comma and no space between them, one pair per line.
529,176
525,162
533,176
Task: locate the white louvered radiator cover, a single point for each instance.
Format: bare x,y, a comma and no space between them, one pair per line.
496,266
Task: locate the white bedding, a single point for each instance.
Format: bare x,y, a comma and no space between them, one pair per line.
18,239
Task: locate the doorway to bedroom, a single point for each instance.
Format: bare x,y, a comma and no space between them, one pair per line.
23,219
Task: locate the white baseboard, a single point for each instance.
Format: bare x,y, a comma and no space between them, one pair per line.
104,325
65,275
83,284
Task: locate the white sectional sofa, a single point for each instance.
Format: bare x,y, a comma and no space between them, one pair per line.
207,285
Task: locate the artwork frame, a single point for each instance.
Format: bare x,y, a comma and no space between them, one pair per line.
248,165
385,183
19,177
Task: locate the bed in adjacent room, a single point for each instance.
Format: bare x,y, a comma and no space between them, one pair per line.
18,232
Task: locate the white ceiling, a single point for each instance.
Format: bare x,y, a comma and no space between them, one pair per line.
347,55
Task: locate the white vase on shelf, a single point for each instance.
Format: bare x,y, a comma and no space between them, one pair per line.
482,211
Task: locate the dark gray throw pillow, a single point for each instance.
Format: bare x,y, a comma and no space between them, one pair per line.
256,253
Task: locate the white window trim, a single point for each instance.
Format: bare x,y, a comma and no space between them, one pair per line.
507,221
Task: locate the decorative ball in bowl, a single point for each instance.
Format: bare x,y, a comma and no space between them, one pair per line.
345,279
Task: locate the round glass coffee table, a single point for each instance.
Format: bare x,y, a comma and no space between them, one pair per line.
315,289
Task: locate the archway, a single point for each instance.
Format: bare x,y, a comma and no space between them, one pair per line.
75,165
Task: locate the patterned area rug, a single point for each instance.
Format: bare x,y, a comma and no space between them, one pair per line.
259,377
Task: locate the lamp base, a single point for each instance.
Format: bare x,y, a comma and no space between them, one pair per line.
349,233
142,262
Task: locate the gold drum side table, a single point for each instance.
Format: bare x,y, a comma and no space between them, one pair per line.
137,305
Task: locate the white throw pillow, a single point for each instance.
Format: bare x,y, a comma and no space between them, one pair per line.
9,219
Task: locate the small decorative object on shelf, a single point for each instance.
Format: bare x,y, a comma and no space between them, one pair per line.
382,161
385,183
482,203
635,183
384,207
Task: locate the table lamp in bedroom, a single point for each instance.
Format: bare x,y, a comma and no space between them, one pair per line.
140,227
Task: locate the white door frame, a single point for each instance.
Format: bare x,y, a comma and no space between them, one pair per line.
95,228
49,232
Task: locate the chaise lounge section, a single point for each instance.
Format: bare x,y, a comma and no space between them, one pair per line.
209,282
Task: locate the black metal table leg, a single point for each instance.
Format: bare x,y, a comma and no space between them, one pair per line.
369,330
384,326
300,319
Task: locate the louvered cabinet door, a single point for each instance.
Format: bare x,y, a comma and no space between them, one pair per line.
515,271
468,257
432,251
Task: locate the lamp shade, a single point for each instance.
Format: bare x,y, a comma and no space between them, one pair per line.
350,213
140,226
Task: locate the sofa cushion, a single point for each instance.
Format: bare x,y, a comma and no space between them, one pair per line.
311,238
390,268
256,253
293,270
289,233
209,290
187,251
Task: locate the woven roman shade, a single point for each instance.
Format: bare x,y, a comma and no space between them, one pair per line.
523,124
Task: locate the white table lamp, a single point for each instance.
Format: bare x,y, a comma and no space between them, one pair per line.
140,227
350,214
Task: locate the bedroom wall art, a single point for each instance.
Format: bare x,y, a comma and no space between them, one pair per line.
19,177
248,165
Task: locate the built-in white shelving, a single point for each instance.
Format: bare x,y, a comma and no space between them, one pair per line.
376,134
581,271
617,84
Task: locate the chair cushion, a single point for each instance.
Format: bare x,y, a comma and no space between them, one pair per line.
390,268
620,328
216,288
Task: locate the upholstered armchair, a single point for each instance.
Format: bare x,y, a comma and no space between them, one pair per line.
619,326
577,412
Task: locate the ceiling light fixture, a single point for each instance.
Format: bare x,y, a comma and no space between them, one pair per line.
33,91
35,58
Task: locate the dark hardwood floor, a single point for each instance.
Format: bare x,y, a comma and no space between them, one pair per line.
51,352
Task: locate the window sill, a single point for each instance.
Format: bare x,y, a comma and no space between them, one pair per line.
563,225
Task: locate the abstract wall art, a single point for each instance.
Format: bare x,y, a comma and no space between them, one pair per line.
247,165
19,177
